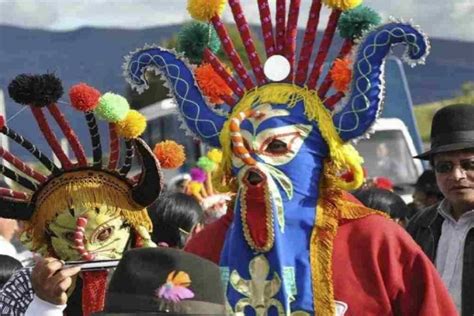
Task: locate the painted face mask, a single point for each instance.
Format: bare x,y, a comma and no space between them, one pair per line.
80,210
284,145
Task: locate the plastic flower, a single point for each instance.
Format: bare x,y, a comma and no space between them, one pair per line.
176,287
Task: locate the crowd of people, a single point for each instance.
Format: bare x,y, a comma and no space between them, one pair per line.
277,218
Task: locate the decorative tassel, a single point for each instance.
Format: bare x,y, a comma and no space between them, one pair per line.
211,84
170,154
223,73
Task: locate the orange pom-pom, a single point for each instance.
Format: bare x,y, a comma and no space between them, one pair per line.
211,84
84,97
170,154
341,74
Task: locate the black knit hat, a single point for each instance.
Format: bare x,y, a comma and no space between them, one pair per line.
452,129
164,281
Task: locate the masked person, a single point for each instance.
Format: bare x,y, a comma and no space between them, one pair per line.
292,244
78,210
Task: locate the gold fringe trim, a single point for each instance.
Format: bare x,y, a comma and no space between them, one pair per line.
343,155
83,190
331,209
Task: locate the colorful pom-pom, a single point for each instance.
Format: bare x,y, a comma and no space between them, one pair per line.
353,23
211,84
36,90
195,187
132,126
112,107
198,175
206,164
205,10
342,4
194,37
215,155
84,97
341,74
170,154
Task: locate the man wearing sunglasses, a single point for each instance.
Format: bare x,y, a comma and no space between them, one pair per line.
445,231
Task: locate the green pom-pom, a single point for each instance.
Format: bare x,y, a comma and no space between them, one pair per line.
206,164
194,38
112,107
353,23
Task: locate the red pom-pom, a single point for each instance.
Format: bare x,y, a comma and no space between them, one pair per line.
341,74
2,121
84,97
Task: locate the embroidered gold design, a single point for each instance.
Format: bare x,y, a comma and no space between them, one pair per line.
269,223
258,291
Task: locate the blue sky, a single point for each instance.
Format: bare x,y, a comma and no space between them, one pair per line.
439,18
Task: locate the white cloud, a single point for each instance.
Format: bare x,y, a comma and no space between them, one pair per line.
439,18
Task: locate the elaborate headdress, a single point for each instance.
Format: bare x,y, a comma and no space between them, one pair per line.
77,185
281,135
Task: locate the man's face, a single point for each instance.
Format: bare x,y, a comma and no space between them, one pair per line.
455,177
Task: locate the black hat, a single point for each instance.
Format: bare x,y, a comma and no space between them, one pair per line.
164,281
452,129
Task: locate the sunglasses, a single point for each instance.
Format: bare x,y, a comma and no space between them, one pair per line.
448,166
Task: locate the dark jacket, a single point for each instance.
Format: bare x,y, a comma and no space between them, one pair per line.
425,228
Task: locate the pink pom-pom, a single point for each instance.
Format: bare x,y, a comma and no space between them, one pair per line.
84,97
198,175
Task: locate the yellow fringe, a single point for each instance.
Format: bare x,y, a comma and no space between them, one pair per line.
83,190
331,209
343,155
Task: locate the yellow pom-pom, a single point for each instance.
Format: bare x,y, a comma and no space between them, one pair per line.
195,187
170,154
132,126
341,74
342,4
205,10
211,84
215,155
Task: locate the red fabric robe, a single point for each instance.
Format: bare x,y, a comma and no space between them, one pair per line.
377,268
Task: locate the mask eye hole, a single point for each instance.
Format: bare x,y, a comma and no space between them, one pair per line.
277,147
103,234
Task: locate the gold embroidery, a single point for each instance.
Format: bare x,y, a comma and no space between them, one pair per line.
269,224
258,291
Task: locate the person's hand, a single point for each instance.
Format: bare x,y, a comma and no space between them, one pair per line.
51,282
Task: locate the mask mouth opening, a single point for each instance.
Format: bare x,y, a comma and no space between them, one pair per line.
254,177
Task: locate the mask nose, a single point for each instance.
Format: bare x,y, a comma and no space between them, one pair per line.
254,178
